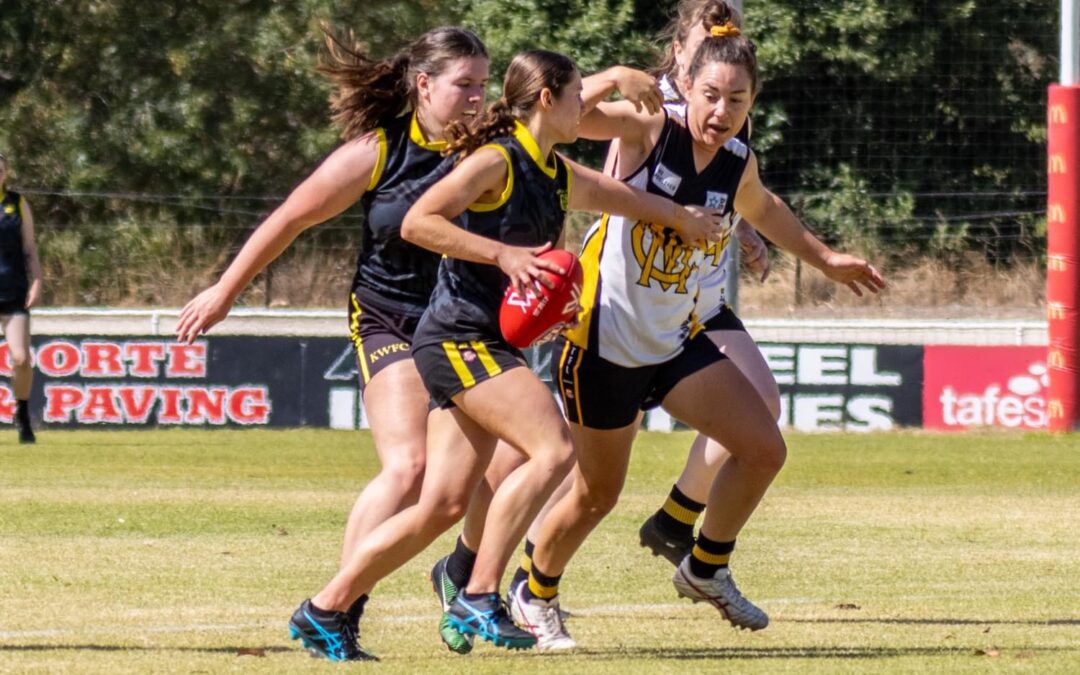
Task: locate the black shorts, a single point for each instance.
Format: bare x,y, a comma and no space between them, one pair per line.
449,368
725,320
380,338
16,306
599,394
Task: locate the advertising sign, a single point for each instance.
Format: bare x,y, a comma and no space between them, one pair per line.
983,386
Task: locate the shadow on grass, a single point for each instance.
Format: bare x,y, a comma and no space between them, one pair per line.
239,651
761,653
944,622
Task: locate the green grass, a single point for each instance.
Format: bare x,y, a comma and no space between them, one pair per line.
171,551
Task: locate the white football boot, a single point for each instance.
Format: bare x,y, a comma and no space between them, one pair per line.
720,592
541,618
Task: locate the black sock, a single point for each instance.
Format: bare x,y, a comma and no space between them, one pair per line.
22,410
459,565
321,613
521,574
478,598
679,514
708,556
356,610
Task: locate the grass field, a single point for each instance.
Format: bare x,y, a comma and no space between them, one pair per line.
183,551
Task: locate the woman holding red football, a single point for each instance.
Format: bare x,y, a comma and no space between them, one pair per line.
516,191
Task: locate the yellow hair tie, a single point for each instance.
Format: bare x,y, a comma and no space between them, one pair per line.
727,30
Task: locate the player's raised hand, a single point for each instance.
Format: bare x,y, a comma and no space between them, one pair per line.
853,272
641,89
203,312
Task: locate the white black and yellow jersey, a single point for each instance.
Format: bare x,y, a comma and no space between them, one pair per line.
641,280
713,291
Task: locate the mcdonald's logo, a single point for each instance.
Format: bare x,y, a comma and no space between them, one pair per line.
1059,114
1056,263
1055,311
1055,409
1058,165
1055,213
1055,359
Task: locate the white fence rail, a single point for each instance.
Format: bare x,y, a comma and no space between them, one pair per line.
327,322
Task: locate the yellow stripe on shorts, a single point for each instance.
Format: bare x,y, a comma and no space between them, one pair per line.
454,354
490,365
354,329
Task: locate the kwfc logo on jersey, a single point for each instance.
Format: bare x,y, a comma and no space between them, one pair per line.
666,179
9,209
716,200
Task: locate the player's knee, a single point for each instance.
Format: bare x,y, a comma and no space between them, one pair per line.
594,505
772,454
444,512
560,458
406,472
20,358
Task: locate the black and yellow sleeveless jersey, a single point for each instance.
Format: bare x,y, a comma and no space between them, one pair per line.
529,212
641,281
13,279
391,273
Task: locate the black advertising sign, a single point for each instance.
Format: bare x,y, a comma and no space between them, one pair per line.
217,381
312,381
847,387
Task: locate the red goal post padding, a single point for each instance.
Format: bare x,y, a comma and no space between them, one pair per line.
1063,257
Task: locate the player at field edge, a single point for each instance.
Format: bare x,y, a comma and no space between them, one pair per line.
20,289
516,191
639,342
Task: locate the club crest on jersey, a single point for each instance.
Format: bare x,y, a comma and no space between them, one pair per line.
716,200
662,256
9,209
666,179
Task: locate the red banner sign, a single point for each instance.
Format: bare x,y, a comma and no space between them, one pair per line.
970,387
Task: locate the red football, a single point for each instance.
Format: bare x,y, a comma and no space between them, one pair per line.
542,313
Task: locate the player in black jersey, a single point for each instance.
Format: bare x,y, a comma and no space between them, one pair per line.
20,289
516,192
615,363
393,113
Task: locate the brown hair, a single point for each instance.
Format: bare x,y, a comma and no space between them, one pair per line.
733,49
371,93
689,13
528,74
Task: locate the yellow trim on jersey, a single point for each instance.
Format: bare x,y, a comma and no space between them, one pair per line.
590,265
453,352
481,207
354,331
22,207
416,135
525,137
569,182
490,365
380,161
